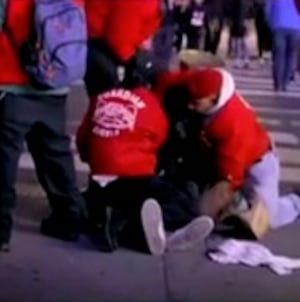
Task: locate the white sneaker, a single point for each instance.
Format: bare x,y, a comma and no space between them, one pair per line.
152,221
192,234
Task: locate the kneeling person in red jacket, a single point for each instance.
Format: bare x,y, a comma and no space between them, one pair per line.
119,138
242,155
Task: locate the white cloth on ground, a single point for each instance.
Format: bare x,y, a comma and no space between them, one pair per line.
253,254
104,180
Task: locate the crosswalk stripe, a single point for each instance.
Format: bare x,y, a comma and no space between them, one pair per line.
289,156
267,87
295,123
284,138
251,73
280,111
258,83
262,93
290,175
270,122
256,80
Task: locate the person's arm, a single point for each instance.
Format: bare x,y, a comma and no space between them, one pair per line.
231,158
130,23
231,150
216,200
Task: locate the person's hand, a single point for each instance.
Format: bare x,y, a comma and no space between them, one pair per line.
216,200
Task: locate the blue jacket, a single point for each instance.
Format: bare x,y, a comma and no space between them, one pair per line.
282,14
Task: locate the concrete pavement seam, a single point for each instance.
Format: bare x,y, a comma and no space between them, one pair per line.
168,291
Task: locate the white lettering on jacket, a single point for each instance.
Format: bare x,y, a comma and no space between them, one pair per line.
116,111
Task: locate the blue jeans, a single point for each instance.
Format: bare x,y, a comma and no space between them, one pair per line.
285,46
41,121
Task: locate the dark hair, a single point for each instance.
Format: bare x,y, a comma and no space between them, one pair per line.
142,70
175,102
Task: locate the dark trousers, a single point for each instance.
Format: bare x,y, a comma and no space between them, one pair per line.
213,29
178,39
193,35
163,44
102,68
127,195
285,45
263,32
41,120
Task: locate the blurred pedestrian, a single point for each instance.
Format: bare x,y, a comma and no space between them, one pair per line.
182,17
33,106
240,12
163,40
284,20
213,22
264,42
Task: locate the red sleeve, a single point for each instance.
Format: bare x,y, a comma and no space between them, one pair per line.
84,132
96,14
231,156
130,23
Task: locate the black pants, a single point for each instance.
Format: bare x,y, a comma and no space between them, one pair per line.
40,119
127,196
163,44
193,35
212,35
102,68
264,35
178,39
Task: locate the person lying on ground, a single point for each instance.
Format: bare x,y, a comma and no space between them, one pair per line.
127,203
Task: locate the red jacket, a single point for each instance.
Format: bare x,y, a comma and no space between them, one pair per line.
236,139
18,20
123,24
122,133
169,79
232,135
97,12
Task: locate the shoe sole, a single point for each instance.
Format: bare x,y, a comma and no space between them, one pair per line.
152,221
191,235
